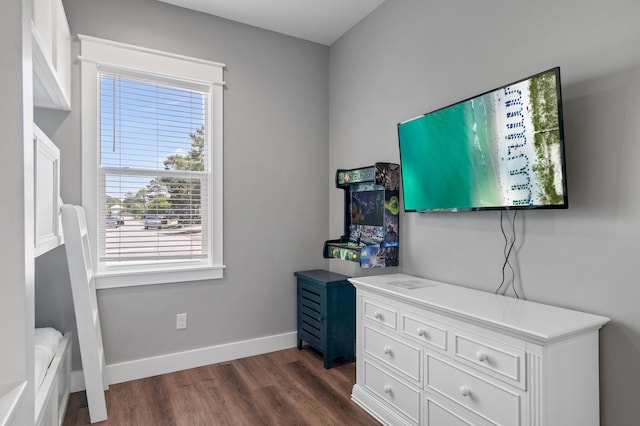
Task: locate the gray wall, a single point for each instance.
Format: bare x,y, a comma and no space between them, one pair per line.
412,56
406,58
275,174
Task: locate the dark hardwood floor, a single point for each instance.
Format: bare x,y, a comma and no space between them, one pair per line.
288,387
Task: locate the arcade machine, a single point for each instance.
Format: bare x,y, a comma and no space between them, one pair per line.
371,225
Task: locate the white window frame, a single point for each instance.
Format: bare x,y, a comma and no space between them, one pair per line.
207,76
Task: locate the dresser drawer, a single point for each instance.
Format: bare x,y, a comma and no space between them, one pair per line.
380,314
436,414
488,400
401,396
501,361
399,355
427,332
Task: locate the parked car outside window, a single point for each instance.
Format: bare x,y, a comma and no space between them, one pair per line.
112,222
152,221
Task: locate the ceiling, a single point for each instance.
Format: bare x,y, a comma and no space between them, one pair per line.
321,21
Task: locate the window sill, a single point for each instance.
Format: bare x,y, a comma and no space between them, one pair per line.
117,277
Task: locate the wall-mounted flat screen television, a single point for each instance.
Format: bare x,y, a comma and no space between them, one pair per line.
503,149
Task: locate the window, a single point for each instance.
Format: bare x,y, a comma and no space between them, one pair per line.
151,164
153,170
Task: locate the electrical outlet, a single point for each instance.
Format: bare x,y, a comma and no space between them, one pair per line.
181,321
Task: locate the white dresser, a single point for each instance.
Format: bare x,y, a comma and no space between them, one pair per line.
436,354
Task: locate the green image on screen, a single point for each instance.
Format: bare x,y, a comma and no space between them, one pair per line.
498,150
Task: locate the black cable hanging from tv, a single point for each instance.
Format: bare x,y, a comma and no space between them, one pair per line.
508,248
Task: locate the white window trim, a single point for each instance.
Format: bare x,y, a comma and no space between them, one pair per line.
207,75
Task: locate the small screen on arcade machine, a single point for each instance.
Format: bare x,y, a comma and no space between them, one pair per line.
367,208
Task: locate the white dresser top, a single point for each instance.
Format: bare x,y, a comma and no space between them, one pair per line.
515,316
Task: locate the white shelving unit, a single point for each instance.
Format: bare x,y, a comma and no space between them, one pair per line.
36,35
16,168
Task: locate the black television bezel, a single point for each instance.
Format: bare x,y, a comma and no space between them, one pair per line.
564,205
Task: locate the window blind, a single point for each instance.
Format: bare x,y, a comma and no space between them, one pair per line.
153,170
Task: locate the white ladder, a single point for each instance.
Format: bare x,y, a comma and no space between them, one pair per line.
85,305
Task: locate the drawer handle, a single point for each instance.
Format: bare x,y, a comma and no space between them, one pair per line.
387,350
378,315
481,356
465,391
387,389
422,333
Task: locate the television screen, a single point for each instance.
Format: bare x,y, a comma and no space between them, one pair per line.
502,149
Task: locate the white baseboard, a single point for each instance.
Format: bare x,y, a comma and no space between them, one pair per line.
147,367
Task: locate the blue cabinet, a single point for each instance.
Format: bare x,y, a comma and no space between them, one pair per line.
326,314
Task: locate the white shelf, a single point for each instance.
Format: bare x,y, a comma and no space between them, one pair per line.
51,56
10,396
